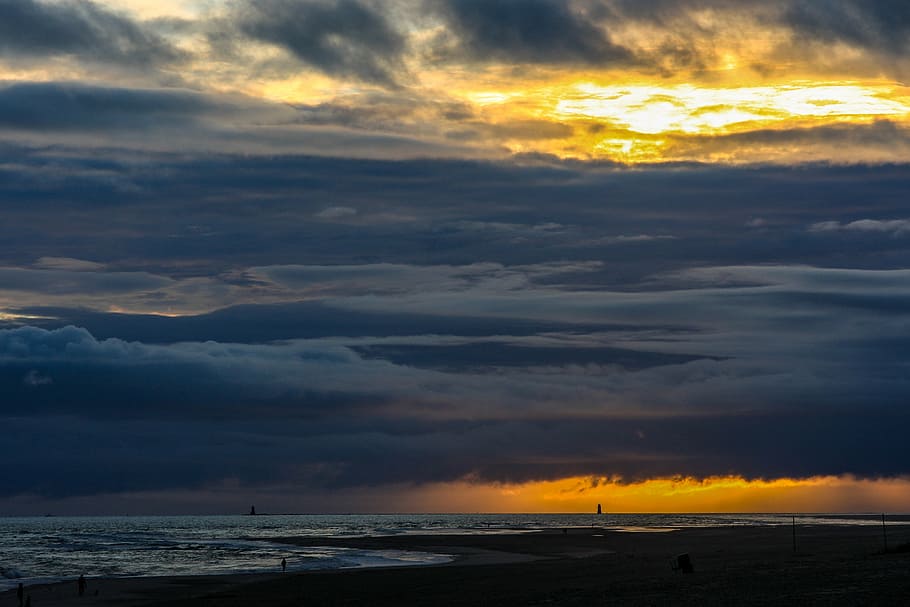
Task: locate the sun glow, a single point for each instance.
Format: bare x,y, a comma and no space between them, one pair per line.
14,317
669,122
692,110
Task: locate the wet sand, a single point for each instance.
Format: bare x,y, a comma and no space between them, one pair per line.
733,566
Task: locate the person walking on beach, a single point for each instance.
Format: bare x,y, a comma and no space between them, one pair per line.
284,565
81,585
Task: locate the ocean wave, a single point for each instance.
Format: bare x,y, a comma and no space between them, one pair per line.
62,548
10,573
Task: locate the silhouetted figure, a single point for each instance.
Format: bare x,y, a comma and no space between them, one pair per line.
598,509
684,562
20,593
252,510
284,565
81,584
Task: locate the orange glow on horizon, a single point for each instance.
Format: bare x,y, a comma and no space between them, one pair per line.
670,495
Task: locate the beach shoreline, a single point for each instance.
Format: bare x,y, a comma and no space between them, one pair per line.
576,566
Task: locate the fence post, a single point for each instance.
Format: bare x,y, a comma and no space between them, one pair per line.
884,533
794,534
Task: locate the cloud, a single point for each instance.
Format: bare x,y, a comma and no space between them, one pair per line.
81,280
623,239
492,357
874,24
284,381
179,120
343,38
336,212
68,264
73,106
80,28
432,215
33,378
225,378
234,417
706,373
385,278
435,326
400,111
837,37
881,142
536,31
894,227
323,279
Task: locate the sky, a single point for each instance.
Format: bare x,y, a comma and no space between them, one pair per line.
454,255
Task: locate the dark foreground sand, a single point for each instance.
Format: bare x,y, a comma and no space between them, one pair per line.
733,566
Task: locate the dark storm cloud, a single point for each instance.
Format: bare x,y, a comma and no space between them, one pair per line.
665,12
78,28
166,216
874,24
73,106
179,120
492,356
282,319
877,25
340,440
298,320
545,31
663,320
683,34
797,347
137,455
63,282
346,38
129,455
195,378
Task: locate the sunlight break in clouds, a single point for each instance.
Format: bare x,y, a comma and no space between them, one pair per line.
687,109
687,83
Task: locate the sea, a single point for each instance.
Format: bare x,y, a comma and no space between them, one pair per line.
51,548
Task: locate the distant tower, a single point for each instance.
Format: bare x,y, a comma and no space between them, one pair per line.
598,509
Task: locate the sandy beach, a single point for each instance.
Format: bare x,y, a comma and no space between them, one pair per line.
590,566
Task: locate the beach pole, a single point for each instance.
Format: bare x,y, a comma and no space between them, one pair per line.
794,534
884,533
